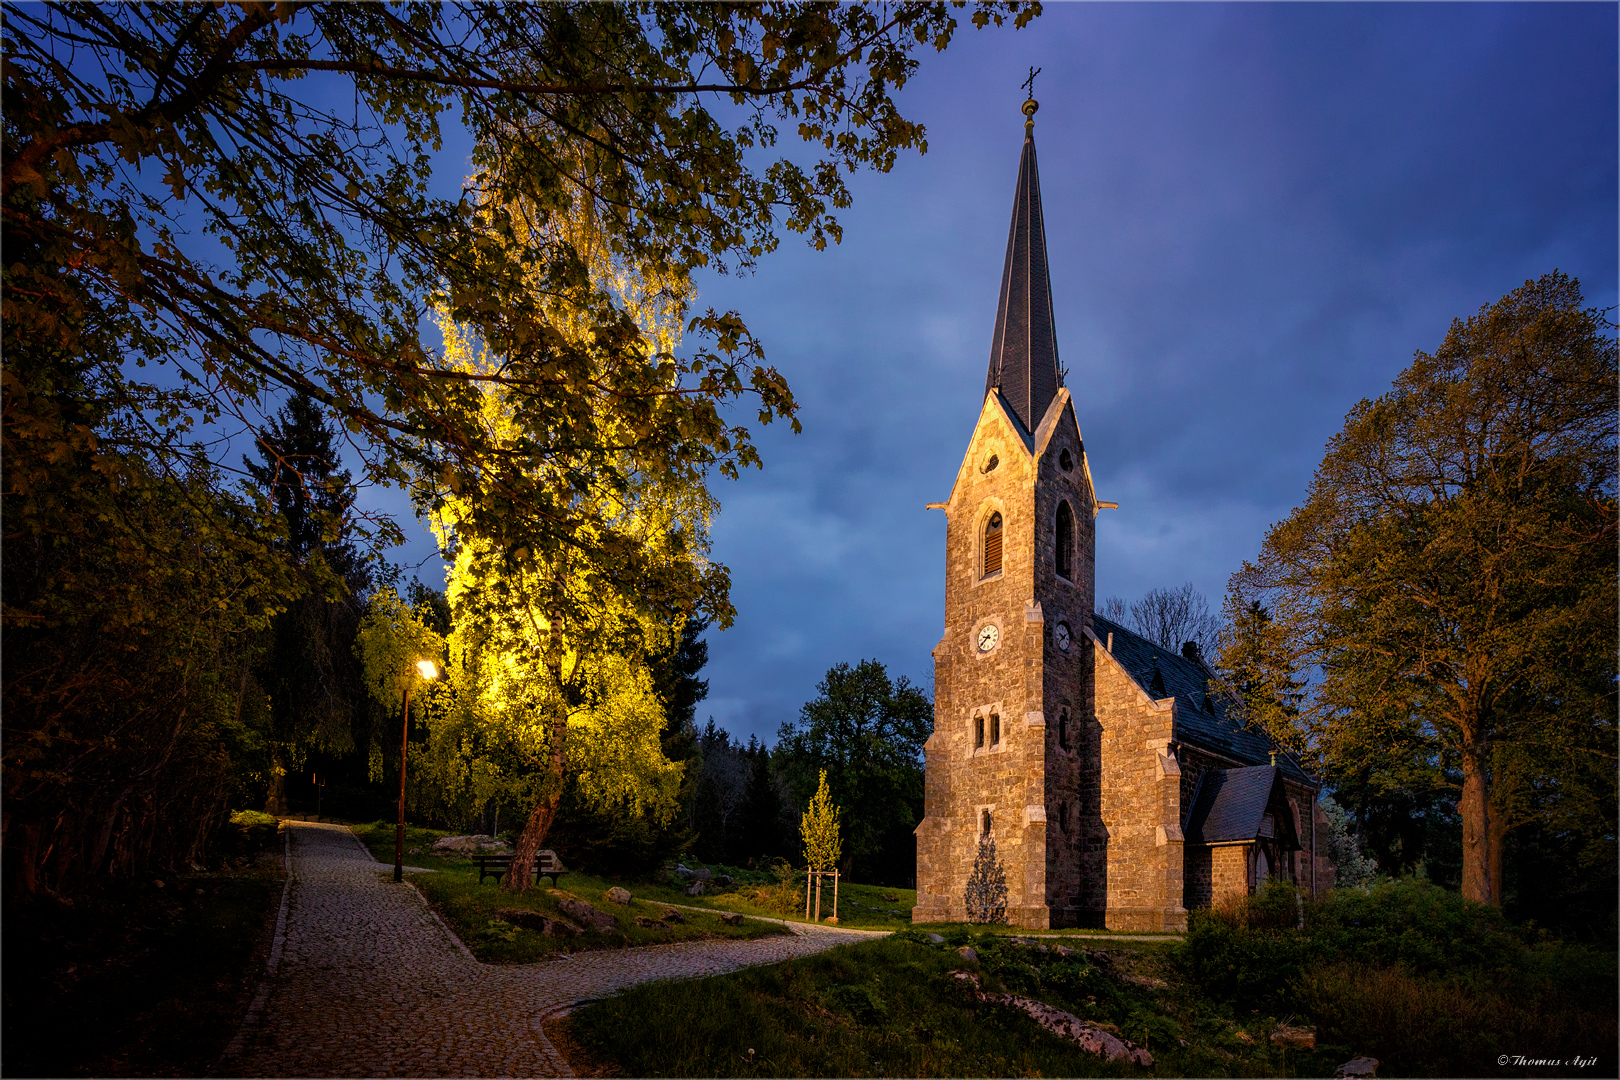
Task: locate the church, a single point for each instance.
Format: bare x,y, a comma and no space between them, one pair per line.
1113,777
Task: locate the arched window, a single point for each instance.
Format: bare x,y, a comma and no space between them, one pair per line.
992,544
984,823
978,732
995,730
1065,541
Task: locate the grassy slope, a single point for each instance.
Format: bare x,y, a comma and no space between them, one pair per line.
1407,973
470,907
134,980
891,1008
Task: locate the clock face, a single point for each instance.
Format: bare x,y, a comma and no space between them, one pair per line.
988,636
1061,636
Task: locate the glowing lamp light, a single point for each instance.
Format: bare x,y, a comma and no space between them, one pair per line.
427,668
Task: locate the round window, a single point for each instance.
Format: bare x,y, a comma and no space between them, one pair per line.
990,465
1065,460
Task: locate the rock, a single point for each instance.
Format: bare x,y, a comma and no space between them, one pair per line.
725,881
1149,982
695,889
1063,950
1087,1036
935,939
530,919
1357,1067
582,913
1302,1038
891,898
158,883
672,915
619,896
966,952
476,844
705,874
651,924
731,920
831,919
682,870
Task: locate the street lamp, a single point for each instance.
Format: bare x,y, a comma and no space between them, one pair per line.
428,670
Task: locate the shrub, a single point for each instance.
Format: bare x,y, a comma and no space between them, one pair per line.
1431,1025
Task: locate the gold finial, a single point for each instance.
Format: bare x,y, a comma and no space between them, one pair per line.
1030,104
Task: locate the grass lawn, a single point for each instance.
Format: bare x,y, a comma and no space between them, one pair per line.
1404,972
472,909
864,907
891,1008
137,980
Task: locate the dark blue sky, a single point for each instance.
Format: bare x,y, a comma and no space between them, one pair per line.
1255,215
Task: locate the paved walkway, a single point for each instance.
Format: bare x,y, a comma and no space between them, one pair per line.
368,982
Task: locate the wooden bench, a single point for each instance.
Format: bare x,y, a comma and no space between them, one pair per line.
494,866
546,864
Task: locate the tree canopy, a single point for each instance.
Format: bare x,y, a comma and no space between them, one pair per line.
865,732
212,209
1441,611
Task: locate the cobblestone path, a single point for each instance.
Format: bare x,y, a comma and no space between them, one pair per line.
371,983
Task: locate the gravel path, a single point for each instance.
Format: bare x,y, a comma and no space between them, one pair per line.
370,982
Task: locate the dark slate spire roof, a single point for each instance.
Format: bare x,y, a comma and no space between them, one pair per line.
1204,719
1023,353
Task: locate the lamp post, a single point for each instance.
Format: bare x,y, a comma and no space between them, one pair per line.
428,670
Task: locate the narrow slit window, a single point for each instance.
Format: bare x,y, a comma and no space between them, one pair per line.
995,730
992,544
1063,816
984,822
1063,730
978,732
1065,541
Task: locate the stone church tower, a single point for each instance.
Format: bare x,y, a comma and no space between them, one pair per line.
1084,759
1012,756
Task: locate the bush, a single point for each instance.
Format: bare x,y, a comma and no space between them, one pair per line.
248,831
1453,1025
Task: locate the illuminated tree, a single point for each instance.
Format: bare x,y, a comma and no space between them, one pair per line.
819,829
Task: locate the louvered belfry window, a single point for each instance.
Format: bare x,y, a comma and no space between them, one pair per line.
992,544
1065,541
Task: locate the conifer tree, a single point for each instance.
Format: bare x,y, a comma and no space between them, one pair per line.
986,895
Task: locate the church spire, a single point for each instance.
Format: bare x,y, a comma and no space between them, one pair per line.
1023,353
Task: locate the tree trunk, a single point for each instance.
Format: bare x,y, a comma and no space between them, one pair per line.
1478,882
521,872
1498,837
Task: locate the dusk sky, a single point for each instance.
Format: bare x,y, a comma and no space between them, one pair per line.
1255,215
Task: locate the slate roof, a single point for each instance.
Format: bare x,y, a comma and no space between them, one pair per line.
1230,804
1203,720
1023,351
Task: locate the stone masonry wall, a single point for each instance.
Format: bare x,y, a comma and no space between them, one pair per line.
1140,803
1229,872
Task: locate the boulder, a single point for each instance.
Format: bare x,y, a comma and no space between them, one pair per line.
476,844
831,919
695,889
935,939
724,881
703,874
651,924
1087,1036
966,952
730,919
587,916
682,870
530,919
619,896
672,915
1063,950
1357,1067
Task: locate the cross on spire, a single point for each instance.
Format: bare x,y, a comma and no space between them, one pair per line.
1030,83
